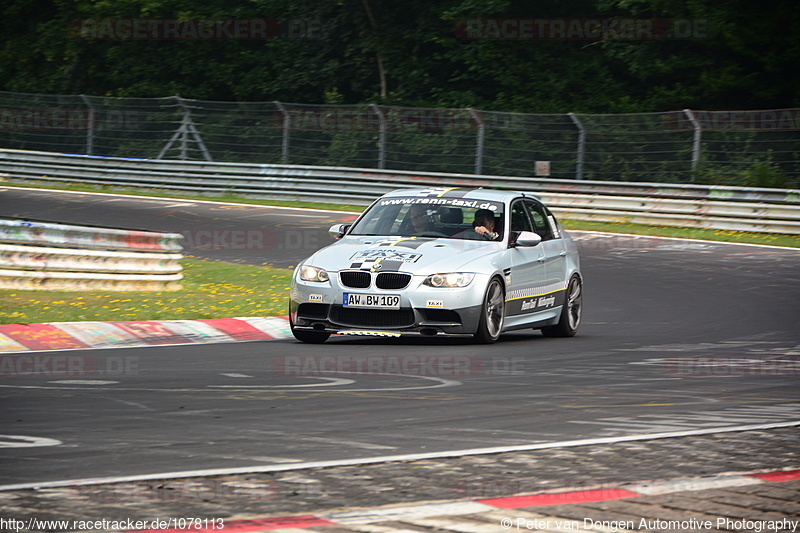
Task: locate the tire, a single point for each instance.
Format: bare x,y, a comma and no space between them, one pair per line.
490,322
311,337
571,313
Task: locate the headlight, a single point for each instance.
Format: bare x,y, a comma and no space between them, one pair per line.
310,273
450,280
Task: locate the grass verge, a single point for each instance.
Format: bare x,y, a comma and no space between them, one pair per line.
211,289
742,237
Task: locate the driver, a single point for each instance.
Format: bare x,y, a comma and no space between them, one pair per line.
484,224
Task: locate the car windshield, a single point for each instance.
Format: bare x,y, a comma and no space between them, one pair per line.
454,218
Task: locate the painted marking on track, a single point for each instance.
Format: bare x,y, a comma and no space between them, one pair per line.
330,382
733,416
83,382
438,383
562,498
23,441
191,203
778,477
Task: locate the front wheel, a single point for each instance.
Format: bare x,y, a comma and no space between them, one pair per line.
312,337
490,322
571,313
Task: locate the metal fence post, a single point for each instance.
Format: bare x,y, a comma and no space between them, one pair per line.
382,139
480,141
697,139
581,145
184,130
90,127
287,127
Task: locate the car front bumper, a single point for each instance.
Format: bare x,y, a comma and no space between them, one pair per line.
423,310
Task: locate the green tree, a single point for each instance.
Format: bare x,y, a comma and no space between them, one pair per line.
735,54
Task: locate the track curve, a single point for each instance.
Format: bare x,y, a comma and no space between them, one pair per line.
677,336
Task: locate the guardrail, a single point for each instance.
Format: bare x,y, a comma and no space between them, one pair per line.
715,207
36,255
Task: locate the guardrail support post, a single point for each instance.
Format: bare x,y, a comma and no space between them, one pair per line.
697,139
90,126
581,145
382,139
480,142
287,127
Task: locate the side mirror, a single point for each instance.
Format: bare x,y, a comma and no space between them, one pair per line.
528,239
337,231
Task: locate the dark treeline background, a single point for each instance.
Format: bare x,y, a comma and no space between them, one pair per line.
740,55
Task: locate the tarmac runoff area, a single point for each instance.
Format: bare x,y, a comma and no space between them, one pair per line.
595,488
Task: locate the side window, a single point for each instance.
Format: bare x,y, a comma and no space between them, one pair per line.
539,217
553,224
519,218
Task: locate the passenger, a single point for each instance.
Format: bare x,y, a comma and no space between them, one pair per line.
484,224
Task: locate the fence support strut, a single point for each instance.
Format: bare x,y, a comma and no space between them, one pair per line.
382,139
287,127
581,146
697,139
480,142
89,126
186,129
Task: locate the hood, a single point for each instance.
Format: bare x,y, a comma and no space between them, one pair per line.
417,255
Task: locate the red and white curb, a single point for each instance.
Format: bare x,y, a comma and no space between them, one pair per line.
491,506
82,335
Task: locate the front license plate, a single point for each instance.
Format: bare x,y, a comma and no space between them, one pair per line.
374,301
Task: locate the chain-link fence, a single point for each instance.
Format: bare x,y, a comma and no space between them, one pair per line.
753,148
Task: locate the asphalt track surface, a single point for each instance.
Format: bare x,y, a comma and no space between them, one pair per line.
677,336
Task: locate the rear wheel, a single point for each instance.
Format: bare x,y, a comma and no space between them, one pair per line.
571,312
490,323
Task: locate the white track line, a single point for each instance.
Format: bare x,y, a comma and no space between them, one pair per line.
181,200
391,458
